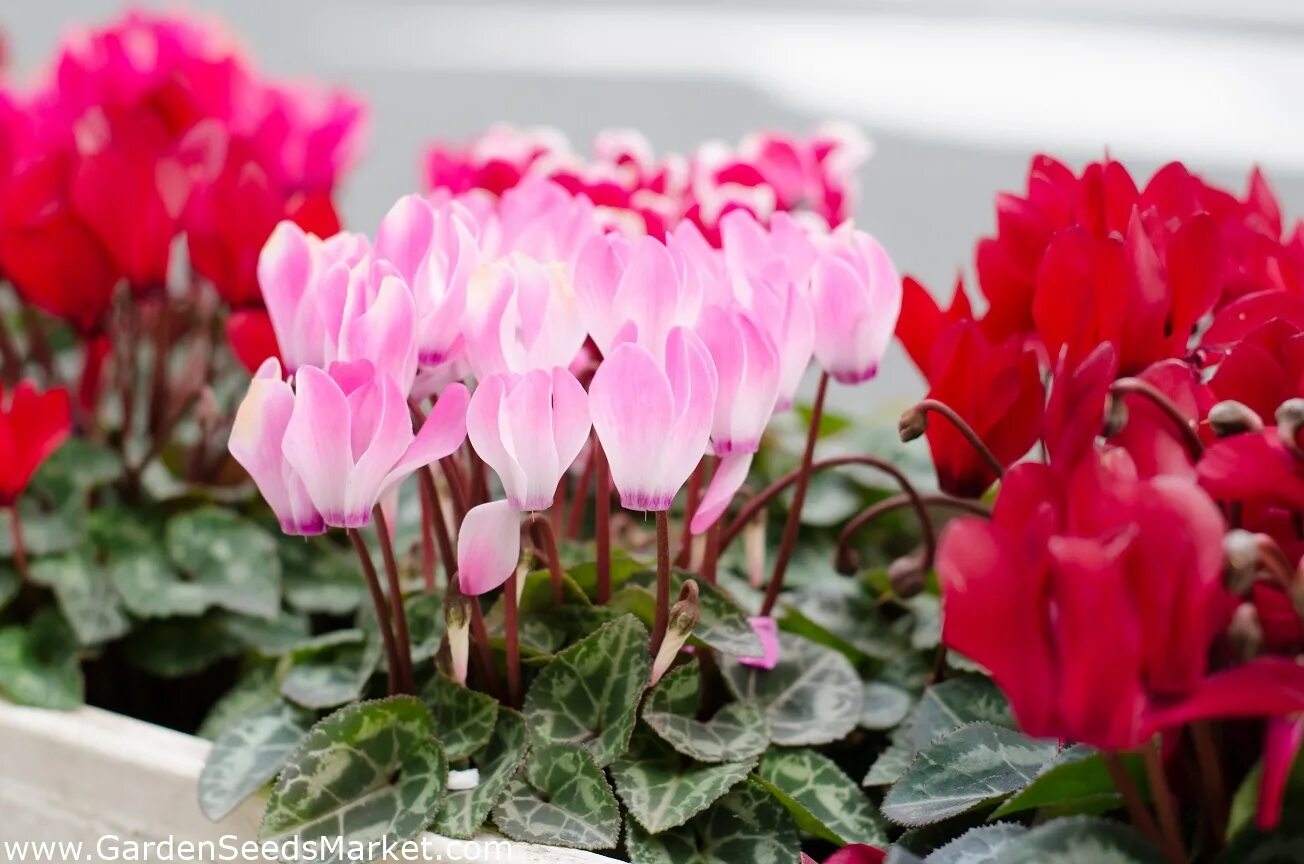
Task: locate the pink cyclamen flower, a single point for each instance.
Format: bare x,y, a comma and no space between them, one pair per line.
529,429
350,439
434,250
488,547
856,296
767,631
654,418
521,315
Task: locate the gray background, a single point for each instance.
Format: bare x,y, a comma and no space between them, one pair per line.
955,95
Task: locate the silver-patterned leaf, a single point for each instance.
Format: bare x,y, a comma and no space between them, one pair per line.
973,765
824,801
1082,840
464,718
722,624
813,695
257,690
233,559
893,761
248,755
463,811
589,693
747,824
319,577
664,789
151,587
331,670
39,664
884,705
560,798
738,731
985,844
953,703
85,596
369,773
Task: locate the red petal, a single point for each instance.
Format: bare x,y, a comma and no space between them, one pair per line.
1265,687
252,339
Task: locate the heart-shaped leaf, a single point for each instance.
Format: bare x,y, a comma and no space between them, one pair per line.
464,718
884,706
738,731
813,695
1076,781
982,845
257,690
269,637
331,670
956,702
561,798
179,647
318,577
722,624
663,789
747,824
371,772
824,801
39,664
463,811
233,559
1081,840
972,766
248,755
895,758
85,596
589,693
151,587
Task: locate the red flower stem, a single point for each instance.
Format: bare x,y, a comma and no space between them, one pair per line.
910,498
1174,850
961,426
557,512
1211,777
693,493
382,611
512,641
485,654
428,579
788,541
38,347
662,619
602,503
426,477
1136,805
396,599
1187,429
545,542
711,553
158,393
20,544
479,491
11,362
576,516
456,487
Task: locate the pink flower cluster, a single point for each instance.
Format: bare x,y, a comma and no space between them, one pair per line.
638,192
668,349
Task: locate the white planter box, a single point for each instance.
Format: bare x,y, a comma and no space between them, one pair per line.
80,776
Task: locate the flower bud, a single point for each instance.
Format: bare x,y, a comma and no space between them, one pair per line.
1230,417
847,561
1245,633
1115,415
684,616
457,621
906,576
1242,553
1290,423
754,549
913,423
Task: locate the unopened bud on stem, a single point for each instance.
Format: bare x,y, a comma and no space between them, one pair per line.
1115,416
913,423
1242,553
1290,422
754,549
684,616
1245,633
906,575
457,621
1230,417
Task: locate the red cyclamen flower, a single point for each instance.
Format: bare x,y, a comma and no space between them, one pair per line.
32,426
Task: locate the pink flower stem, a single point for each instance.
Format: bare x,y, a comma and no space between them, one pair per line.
910,498
512,641
1183,424
975,441
603,525
545,542
426,477
711,553
480,636
788,541
662,619
693,493
576,516
396,600
1174,850
456,487
1211,778
1136,805
382,611
158,393
428,578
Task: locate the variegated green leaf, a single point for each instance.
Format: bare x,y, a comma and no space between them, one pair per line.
722,623
1076,781
462,812
895,758
813,695
39,664
9,584
257,690
664,789
884,706
319,577
151,587
85,596
179,647
985,844
738,731
270,637
248,755
824,801
560,798
972,766
331,670
370,772
1085,840
953,703
464,718
589,693
233,559
747,824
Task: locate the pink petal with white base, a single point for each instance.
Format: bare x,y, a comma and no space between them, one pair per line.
747,369
525,423
570,416
404,235
725,483
694,385
443,432
388,437
632,409
488,547
317,443
385,334
768,632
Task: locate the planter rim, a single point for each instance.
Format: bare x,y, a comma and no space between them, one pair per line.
85,774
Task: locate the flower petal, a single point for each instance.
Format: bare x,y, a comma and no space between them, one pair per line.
632,408
725,483
488,547
314,443
767,630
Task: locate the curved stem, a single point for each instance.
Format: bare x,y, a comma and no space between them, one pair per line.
1136,805
602,502
789,539
545,541
962,426
382,610
512,640
1173,847
910,498
456,487
1146,390
426,478
396,599
662,620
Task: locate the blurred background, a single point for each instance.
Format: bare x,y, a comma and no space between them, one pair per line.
955,94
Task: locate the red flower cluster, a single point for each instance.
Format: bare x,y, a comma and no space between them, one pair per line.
639,192
32,426
1105,564
147,129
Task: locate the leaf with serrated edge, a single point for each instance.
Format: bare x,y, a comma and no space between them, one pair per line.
463,811
973,765
893,761
370,772
233,559
982,845
737,731
85,596
663,789
747,824
589,693
331,670
464,719
956,702
248,755
813,695
884,706
1080,840
823,800
561,798
1076,781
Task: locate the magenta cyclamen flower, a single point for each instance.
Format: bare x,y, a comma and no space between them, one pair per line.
856,296
654,417
346,442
